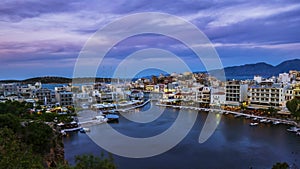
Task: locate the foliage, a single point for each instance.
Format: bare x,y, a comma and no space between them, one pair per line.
271,110
93,162
39,135
27,145
243,106
15,154
294,107
15,107
281,166
10,121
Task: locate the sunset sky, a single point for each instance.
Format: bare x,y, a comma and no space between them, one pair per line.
44,38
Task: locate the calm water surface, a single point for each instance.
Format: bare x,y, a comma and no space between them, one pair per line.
234,144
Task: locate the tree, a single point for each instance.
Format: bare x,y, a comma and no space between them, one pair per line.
294,107
39,135
92,162
281,166
272,111
9,121
16,154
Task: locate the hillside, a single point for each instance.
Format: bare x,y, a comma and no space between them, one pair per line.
263,69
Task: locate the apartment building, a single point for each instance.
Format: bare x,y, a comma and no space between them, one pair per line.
10,89
296,91
267,94
236,92
45,95
203,95
289,93
64,98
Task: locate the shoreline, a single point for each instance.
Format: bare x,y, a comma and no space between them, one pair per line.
287,122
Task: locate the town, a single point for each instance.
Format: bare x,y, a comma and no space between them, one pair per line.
195,89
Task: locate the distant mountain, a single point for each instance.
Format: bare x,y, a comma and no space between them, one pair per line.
48,79
247,71
56,80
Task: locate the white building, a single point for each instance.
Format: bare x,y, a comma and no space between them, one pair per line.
268,95
217,96
257,78
284,78
203,95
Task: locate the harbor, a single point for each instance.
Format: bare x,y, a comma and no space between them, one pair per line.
258,147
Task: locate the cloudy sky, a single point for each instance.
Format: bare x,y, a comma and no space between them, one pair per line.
41,38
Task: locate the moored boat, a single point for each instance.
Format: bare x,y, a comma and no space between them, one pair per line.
253,124
276,122
263,120
293,129
112,118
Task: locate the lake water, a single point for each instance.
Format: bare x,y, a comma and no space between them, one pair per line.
234,144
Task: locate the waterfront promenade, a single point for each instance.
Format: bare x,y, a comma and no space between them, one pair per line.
288,122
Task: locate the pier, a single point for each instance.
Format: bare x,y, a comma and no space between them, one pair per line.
134,107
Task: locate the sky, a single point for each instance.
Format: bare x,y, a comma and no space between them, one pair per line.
44,38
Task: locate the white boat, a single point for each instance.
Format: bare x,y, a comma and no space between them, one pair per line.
255,118
263,120
298,133
276,122
253,124
268,121
293,129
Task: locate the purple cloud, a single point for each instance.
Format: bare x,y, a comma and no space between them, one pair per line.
34,32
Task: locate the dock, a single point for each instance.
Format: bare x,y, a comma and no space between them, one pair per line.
134,107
